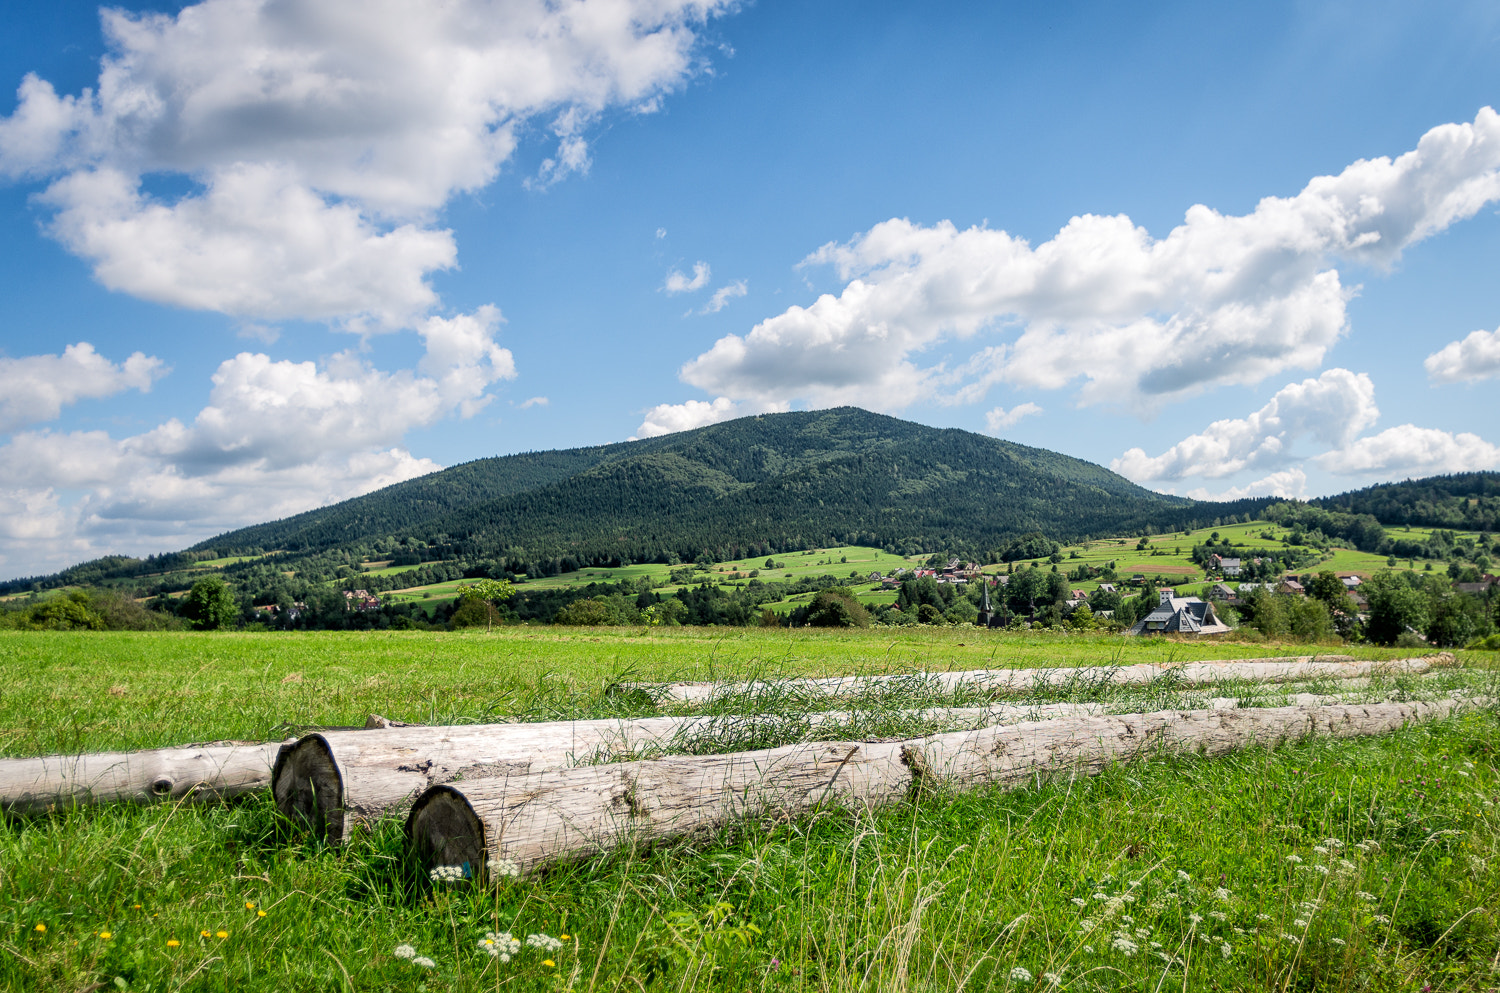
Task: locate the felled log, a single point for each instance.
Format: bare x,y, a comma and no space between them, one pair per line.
1003,681
330,781
535,818
215,770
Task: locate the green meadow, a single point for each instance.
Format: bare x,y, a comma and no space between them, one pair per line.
1370,864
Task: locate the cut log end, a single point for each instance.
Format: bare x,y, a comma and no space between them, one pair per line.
308,788
444,830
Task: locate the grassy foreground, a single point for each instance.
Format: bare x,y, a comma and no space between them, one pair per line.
1365,865
81,691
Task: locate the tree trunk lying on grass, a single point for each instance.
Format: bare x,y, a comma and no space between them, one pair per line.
541,817
330,781
214,770
997,681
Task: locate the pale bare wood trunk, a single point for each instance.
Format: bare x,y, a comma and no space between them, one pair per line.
332,780
1003,681
534,818
203,771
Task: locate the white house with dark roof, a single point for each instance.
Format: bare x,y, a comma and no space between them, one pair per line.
1181,615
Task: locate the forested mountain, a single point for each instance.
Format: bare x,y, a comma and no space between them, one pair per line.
771,482
748,487
1468,501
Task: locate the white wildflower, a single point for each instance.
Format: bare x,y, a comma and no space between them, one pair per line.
1195,919
1183,877
1156,944
1346,868
1052,978
1380,919
1225,950
1367,897
503,867
1020,975
405,952
1126,919
424,962
447,874
1321,869
1127,898
1333,843
1239,930
1320,849
1136,882
545,942
1079,901
1088,949
1294,939
1294,858
1101,896
1338,941
1143,933
1368,845
1125,946
1218,915
1262,917
1299,922
1222,894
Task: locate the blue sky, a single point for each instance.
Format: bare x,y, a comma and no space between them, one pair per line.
261,257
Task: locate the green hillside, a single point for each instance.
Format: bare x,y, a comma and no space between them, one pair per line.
1467,501
771,482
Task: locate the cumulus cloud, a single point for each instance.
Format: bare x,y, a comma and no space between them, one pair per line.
530,402
678,282
1409,450
275,438
1332,409
667,418
37,387
322,137
1475,357
1000,418
1129,318
723,295
1289,484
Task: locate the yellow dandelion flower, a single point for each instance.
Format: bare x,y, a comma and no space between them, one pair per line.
260,913
203,933
249,905
549,963
221,934
173,942
562,937
136,907
105,935
42,928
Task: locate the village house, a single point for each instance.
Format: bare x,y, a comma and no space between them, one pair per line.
1290,585
361,600
1181,615
1221,592
1227,567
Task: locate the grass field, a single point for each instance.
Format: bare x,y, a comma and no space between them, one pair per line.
1364,865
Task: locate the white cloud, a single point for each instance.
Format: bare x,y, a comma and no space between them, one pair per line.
1475,357
323,136
1137,320
1332,409
667,418
723,295
533,402
275,438
256,244
36,387
677,282
1000,418
1290,484
1410,451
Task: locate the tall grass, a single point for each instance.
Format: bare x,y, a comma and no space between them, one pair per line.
1181,868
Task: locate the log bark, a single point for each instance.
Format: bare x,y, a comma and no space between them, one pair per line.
215,770
331,781
535,818
1004,681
